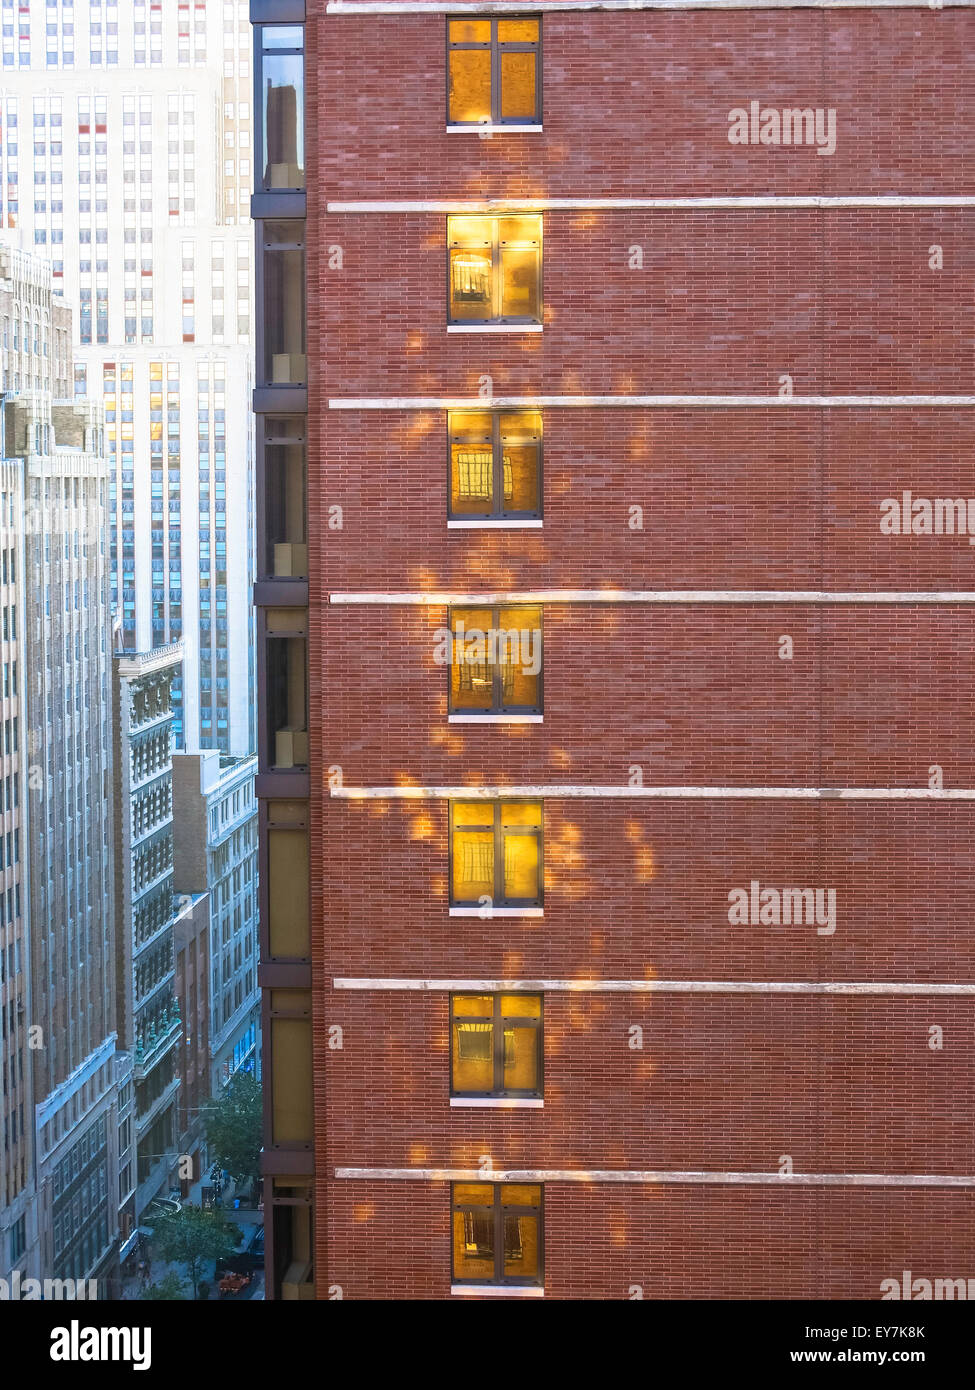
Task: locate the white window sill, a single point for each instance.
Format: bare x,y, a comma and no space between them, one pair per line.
487,129
497,523
488,912
495,327
496,1103
495,718
500,1290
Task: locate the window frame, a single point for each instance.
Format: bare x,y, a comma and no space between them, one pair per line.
498,1212
495,47
258,147
498,900
497,705
497,276
498,511
497,1020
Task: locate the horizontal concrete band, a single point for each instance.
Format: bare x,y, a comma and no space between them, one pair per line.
771,201
881,987
350,7
642,402
557,792
441,598
635,1175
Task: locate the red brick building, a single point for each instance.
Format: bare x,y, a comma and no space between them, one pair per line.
616,943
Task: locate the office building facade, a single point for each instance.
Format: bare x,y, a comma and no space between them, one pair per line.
125,160
620,733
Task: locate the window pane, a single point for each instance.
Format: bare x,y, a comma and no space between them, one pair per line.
470,284
518,86
471,673
472,478
519,282
520,1058
475,1194
473,812
282,36
473,865
520,230
519,1005
521,1247
517,31
521,867
474,426
521,813
464,230
519,468
470,84
521,653
283,108
473,1055
470,31
473,1245
479,1005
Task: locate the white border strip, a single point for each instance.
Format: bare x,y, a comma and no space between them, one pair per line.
781,201
882,987
635,1175
443,598
639,402
348,7
560,792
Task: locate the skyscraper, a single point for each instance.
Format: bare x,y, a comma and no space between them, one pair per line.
620,725
59,1037
125,159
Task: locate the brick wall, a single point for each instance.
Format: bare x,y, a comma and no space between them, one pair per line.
845,302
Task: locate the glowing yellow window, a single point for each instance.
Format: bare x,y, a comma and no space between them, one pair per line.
495,268
496,853
496,1045
494,71
495,660
495,463
497,1233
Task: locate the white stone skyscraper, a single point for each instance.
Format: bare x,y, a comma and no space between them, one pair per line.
125,159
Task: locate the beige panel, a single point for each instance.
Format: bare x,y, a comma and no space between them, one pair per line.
290,936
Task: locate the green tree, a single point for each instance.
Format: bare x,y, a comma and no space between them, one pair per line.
170,1287
192,1237
234,1127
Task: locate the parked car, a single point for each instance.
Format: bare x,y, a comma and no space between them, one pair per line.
247,1260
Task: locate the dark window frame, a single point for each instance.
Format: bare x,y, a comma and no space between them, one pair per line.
497,1020
496,48
497,272
498,510
498,1212
265,311
498,899
498,705
258,148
